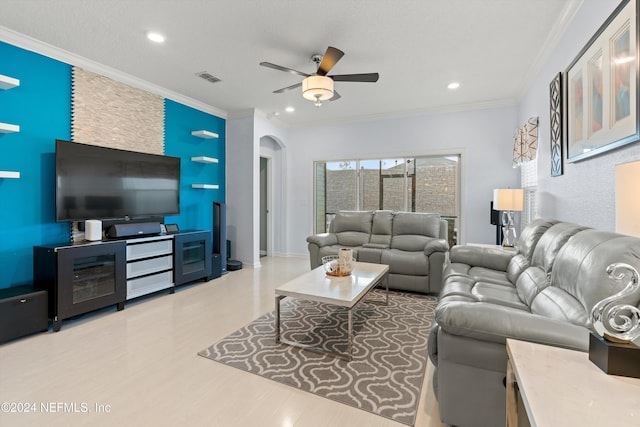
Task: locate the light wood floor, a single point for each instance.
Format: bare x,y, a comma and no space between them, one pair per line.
140,365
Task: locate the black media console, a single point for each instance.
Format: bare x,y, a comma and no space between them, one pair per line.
86,276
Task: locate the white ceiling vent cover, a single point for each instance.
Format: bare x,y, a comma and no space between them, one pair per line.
208,77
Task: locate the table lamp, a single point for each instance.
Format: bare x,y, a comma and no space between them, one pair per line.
508,200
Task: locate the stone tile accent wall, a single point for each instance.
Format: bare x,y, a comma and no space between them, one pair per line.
112,114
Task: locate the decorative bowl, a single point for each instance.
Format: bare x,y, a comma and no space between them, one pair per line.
332,267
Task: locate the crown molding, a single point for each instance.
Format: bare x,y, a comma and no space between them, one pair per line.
37,46
549,44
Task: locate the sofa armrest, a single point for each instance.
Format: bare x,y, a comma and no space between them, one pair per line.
436,245
324,239
477,256
489,322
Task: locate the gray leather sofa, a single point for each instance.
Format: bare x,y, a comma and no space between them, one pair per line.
412,244
543,293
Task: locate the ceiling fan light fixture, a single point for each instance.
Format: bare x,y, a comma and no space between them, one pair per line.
317,88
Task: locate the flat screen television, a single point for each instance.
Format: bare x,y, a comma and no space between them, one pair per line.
95,182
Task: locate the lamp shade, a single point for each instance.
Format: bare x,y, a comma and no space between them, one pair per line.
317,88
508,199
628,198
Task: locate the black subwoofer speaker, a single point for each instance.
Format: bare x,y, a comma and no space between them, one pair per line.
216,266
23,311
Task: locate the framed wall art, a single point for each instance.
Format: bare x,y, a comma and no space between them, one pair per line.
555,108
601,85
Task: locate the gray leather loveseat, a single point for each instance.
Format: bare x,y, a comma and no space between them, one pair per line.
412,244
544,293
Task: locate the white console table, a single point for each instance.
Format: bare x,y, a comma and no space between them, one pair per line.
551,386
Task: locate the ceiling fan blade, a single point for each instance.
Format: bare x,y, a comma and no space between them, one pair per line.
367,77
329,59
288,88
335,96
281,68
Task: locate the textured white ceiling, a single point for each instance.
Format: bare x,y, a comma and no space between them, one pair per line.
492,47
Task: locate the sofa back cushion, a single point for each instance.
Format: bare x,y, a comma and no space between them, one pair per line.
532,234
413,230
526,245
550,243
517,264
381,228
352,228
536,276
579,279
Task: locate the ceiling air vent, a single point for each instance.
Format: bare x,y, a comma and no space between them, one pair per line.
208,77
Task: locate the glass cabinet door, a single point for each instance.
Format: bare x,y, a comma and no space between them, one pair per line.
193,256
93,277
192,252
90,277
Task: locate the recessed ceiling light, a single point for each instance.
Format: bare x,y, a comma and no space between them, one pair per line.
289,109
155,37
453,85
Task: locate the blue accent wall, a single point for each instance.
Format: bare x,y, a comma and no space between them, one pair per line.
196,205
41,106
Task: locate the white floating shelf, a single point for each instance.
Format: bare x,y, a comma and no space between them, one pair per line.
204,134
204,159
206,186
9,174
7,128
7,82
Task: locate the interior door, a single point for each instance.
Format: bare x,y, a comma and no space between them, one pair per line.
264,205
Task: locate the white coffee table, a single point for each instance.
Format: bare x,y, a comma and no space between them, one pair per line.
341,291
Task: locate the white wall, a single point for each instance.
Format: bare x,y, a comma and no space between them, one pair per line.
244,148
242,167
483,137
585,193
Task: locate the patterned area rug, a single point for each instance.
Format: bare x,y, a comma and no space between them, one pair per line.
389,351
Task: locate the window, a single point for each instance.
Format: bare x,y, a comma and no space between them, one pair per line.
416,184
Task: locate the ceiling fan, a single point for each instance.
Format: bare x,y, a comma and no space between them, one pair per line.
318,87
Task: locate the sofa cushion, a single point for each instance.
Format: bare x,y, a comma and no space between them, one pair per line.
498,294
551,242
458,285
516,266
403,262
412,231
530,283
495,323
352,228
557,303
381,228
536,277
416,223
531,235
489,275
